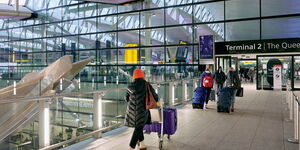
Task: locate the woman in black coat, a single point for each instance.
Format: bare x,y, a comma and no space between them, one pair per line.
136,114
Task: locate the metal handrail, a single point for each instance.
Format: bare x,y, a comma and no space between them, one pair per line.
49,97
80,137
296,97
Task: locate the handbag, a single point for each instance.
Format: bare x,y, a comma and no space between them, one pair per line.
240,92
150,100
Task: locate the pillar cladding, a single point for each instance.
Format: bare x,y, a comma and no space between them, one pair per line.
97,113
44,124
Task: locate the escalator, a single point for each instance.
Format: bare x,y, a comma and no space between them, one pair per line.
14,116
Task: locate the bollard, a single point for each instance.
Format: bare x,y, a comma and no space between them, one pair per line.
296,121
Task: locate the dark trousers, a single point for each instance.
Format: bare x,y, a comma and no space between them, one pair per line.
137,136
219,85
207,94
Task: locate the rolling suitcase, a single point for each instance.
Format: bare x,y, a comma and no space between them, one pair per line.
224,100
169,123
212,95
199,98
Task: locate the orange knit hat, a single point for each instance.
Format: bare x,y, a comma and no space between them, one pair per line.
138,73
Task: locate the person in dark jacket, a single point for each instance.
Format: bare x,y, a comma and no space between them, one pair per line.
220,78
136,114
233,82
205,74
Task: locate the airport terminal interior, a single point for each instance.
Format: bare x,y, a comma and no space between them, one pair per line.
65,66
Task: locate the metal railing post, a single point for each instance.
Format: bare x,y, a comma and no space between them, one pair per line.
195,84
296,117
172,93
287,94
44,124
291,105
295,109
97,113
184,91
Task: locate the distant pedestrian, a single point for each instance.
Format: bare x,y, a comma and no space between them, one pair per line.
206,81
233,82
251,74
220,78
136,114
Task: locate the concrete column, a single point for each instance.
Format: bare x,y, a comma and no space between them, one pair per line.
171,93
97,112
44,124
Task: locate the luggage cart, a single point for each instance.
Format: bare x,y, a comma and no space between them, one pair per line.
158,127
161,137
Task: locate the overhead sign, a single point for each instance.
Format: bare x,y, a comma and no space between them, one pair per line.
258,46
277,77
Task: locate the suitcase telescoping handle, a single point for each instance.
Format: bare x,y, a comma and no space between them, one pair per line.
161,101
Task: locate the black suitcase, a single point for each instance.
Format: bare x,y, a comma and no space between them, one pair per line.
224,100
212,95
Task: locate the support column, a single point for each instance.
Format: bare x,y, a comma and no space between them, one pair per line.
44,124
97,112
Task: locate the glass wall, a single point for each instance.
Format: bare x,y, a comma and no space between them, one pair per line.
150,32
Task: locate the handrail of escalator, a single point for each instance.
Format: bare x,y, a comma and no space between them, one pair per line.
49,97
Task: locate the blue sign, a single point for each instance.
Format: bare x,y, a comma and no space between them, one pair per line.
206,45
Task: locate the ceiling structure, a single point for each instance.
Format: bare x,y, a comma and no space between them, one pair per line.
235,9
14,9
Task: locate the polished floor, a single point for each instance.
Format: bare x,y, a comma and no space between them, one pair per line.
258,123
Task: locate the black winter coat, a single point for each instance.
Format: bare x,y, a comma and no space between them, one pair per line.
220,77
136,114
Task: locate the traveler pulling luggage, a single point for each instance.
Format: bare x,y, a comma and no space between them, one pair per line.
168,122
224,100
199,98
206,81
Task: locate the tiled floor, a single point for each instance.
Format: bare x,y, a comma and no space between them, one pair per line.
257,124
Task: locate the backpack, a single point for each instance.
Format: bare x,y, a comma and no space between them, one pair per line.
208,81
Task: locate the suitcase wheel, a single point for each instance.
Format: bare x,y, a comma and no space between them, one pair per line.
160,145
168,136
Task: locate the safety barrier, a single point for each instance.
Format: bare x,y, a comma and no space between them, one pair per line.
44,103
294,113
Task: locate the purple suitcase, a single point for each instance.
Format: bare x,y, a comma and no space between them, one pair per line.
170,123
